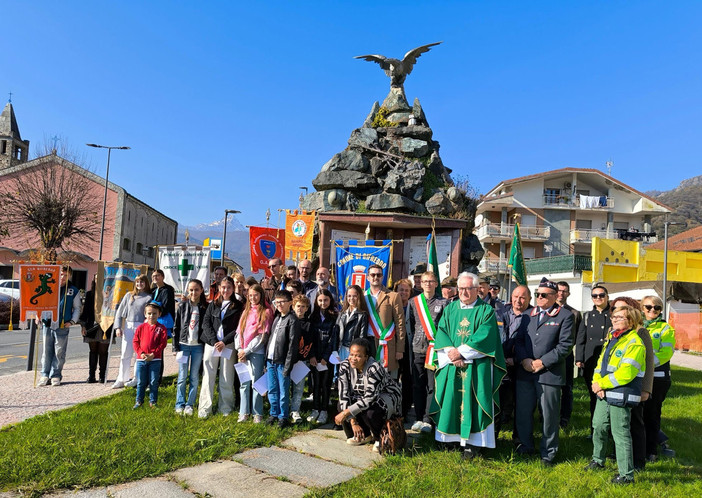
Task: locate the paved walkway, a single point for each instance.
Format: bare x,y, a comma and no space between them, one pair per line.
20,400
687,360
318,458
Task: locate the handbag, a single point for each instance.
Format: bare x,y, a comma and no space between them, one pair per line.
393,436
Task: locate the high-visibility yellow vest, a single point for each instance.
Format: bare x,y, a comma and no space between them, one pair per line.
663,339
620,368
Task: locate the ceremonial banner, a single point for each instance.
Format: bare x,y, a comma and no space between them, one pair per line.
516,258
182,263
299,230
114,280
353,260
265,243
39,291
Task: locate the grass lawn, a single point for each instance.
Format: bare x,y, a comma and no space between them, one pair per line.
104,442
427,472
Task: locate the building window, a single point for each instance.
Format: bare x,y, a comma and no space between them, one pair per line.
583,224
139,248
126,245
551,195
529,252
4,146
528,220
151,252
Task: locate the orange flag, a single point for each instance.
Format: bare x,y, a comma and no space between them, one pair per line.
299,230
39,290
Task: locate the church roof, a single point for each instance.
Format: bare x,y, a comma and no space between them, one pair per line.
8,123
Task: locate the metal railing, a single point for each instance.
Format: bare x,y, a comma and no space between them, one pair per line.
578,201
506,231
559,264
585,235
493,265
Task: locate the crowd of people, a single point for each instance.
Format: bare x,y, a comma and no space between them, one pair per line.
469,364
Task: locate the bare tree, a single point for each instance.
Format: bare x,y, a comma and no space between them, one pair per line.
55,201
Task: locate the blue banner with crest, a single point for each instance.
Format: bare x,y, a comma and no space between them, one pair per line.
353,259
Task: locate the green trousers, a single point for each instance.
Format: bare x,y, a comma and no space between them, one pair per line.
617,419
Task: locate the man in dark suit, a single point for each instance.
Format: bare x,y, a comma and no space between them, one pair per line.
541,353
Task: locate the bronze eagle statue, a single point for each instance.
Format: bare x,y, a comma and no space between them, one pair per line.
396,69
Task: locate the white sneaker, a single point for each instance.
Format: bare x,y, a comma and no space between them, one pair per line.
425,427
131,383
55,381
243,417
323,417
417,426
296,417
376,447
44,381
258,419
118,385
188,412
310,397
179,410
313,416
358,442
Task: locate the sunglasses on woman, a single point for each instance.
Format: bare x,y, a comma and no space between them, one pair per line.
650,307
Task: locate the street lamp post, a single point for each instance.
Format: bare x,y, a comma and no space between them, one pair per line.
227,212
665,262
104,201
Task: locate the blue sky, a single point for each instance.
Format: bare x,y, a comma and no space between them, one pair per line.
229,105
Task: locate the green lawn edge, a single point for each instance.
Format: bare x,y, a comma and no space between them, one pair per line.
425,471
104,442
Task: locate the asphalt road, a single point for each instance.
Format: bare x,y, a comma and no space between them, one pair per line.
14,347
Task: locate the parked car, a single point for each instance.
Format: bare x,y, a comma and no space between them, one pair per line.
10,288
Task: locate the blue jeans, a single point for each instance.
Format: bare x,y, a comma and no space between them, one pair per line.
194,354
147,372
53,354
278,390
258,364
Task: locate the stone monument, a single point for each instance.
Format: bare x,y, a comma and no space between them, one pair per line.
392,163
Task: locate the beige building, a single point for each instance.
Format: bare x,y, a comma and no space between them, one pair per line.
559,213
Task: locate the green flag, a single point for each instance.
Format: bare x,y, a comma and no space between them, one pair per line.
516,259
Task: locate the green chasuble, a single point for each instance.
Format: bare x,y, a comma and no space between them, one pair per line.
463,397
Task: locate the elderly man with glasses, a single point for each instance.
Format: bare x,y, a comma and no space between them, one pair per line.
590,339
541,351
469,368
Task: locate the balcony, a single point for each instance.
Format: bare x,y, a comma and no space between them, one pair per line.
497,232
585,202
493,265
584,236
559,264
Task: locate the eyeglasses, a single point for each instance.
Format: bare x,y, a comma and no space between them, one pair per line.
599,296
494,287
375,275
616,318
281,301
428,281
650,307
545,295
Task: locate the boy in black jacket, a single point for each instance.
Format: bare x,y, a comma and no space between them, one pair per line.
306,352
281,355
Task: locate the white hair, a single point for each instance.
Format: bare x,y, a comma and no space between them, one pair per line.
474,278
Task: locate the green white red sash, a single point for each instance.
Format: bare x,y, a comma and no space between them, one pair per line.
425,320
383,334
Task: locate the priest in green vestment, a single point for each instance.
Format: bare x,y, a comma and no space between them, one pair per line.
470,368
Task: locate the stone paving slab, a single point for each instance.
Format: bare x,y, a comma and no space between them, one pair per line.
332,448
301,469
232,479
138,489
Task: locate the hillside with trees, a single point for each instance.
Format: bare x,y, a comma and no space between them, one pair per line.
685,202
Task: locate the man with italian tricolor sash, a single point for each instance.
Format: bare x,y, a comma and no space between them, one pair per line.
424,314
386,319
470,366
